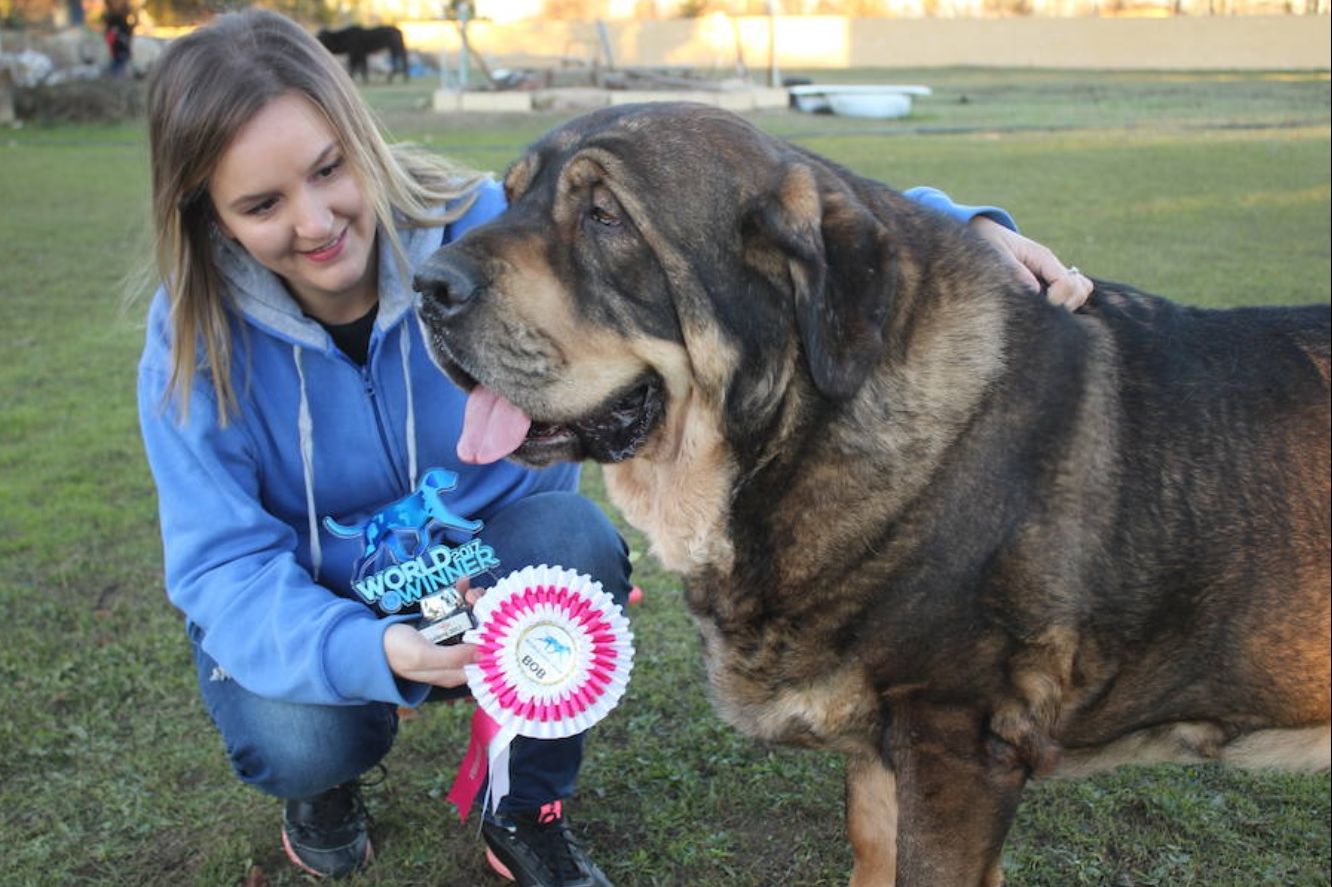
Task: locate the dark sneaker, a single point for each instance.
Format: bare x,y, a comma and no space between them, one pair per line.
328,835
536,849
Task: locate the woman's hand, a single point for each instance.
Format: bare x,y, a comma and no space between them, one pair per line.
1035,264
412,657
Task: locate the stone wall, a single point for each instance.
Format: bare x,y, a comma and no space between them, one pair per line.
7,115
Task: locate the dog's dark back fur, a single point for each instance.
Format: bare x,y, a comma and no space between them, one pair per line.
1202,508
358,43
924,518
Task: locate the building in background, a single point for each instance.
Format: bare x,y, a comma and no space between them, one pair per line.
65,13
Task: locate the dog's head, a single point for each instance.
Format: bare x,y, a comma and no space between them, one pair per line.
656,259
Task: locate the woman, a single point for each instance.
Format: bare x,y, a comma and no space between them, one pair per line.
288,405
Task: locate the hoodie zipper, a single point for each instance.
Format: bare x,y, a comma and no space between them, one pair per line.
372,395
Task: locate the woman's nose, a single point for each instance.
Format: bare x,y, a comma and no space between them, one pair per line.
314,217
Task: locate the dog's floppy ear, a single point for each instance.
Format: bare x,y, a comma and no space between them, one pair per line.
838,262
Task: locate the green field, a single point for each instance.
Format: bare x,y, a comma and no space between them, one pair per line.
1210,189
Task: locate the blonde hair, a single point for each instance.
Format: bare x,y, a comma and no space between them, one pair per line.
205,87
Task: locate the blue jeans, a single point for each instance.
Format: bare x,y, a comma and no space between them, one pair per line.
294,750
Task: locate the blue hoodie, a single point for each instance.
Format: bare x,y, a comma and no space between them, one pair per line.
933,198
249,558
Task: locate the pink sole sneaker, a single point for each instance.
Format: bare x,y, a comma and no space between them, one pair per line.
296,860
498,866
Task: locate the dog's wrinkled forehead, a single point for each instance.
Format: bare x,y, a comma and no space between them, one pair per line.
661,143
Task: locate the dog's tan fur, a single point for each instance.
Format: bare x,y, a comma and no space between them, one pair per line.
924,520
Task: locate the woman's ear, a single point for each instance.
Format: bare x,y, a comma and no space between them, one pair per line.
220,226
204,199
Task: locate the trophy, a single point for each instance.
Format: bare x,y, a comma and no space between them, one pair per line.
405,558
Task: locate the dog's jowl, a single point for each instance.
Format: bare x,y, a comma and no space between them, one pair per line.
925,519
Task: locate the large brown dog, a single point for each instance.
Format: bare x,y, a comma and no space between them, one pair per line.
924,518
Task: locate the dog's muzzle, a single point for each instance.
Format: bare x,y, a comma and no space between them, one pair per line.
448,283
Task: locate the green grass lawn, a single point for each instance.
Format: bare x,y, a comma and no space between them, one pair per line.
1210,189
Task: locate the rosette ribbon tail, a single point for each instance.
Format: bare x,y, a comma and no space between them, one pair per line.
487,752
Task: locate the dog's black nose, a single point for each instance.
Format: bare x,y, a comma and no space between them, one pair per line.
447,282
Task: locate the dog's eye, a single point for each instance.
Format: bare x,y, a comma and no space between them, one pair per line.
604,217
603,208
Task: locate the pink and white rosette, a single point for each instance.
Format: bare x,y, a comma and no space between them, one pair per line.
555,653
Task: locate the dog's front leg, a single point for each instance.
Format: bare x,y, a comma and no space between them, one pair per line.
871,820
957,791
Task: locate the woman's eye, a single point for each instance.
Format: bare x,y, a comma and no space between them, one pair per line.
326,171
263,208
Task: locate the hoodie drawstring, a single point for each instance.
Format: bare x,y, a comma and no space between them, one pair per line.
405,348
305,427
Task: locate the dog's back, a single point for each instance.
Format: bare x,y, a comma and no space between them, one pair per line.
1216,581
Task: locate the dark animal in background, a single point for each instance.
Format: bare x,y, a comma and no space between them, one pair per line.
924,519
358,43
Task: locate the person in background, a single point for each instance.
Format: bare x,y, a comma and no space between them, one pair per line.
118,20
286,395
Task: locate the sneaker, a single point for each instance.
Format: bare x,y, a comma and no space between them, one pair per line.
328,835
536,849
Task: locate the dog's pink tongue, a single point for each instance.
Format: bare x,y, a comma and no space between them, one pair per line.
492,428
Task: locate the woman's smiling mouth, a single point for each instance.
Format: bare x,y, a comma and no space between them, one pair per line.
328,251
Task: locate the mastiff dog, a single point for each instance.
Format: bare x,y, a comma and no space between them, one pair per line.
924,519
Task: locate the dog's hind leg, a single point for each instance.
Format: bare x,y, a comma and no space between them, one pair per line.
958,788
871,820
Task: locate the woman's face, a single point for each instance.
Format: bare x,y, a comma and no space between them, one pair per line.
284,191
